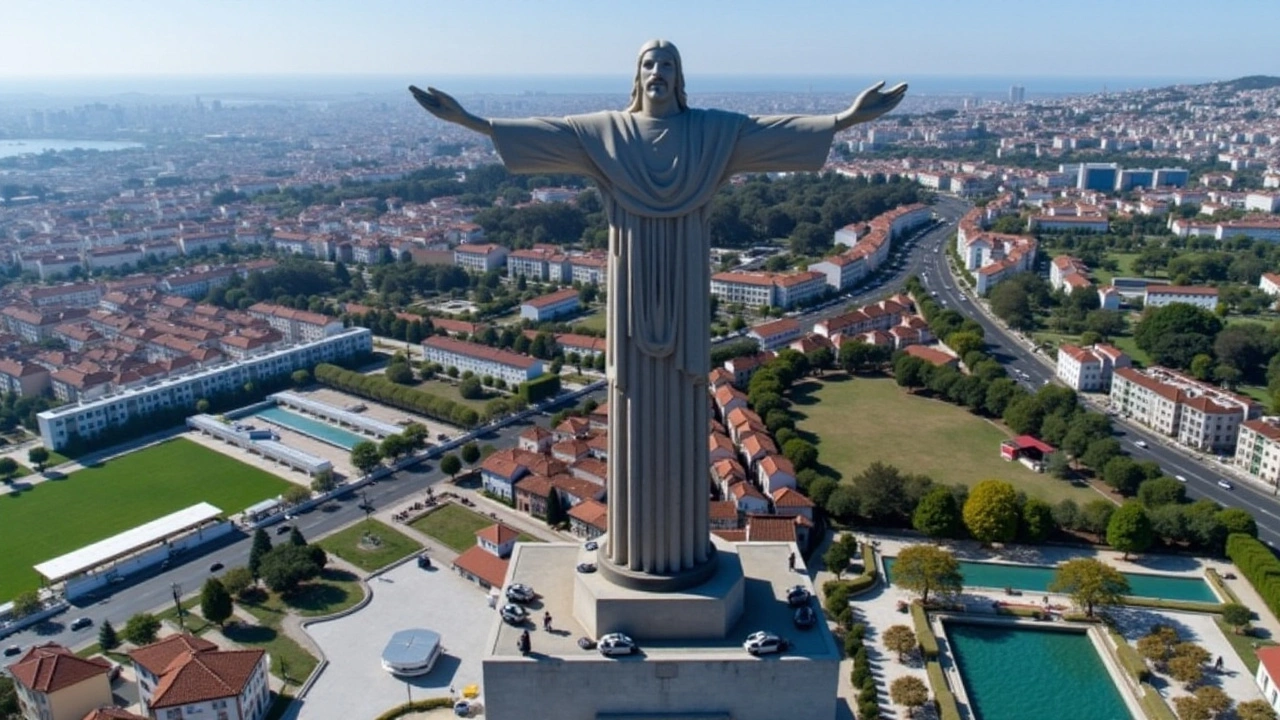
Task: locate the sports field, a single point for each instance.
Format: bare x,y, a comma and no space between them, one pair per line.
862,420
57,516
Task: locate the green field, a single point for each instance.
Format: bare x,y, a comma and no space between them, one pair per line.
57,516
392,546
859,421
449,390
453,525
595,321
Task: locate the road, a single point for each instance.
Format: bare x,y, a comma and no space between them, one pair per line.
153,591
1033,369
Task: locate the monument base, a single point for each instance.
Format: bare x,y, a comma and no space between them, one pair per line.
705,676
637,580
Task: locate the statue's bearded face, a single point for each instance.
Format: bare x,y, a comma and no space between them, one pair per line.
658,74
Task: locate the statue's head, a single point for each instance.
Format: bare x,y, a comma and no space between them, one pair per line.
651,55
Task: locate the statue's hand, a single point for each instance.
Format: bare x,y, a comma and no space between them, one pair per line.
442,105
871,104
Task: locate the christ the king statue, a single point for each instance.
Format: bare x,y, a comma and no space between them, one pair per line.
658,164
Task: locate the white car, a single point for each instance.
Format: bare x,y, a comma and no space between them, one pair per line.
514,614
1226,485
1180,478
521,593
616,644
1140,443
763,643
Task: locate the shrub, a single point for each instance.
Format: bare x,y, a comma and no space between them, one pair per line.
1259,566
946,701
837,597
928,641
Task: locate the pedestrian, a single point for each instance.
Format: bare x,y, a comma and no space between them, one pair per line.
1217,665
791,562
546,621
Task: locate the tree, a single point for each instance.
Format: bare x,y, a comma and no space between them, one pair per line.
38,456
470,453
287,567
8,468
1236,615
323,482
880,492
365,456
900,639
26,603
295,537
801,453
1011,302
991,512
237,581
839,553
910,692
1189,707
400,373
215,601
142,628
302,378
1036,522
1255,710
1089,582
1096,515
1238,520
261,546
1100,452
471,389
107,638
1123,474
1129,530
295,494
937,515
1161,491
927,568
1185,670
450,464
1023,414
964,342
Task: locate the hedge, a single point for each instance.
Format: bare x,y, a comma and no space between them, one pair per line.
945,700
869,561
1129,658
1019,611
1182,605
860,584
416,706
539,389
380,389
1223,591
924,633
1258,565
1154,705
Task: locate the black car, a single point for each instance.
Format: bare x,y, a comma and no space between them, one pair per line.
797,596
284,529
215,567
805,617
12,650
586,567
81,622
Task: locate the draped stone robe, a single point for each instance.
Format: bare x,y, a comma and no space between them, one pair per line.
658,177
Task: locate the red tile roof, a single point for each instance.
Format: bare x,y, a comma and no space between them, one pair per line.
592,513
498,534
484,565
112,713
157,656
51,667
195,677
771,528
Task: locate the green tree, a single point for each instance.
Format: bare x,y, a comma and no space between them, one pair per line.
1129,530
1100,452
1023,415
295,494
900,640
1189,707
937,515
1255,710
394,447
296,538
8,468
261,546
964,342
470,453
910,692
38,456
927,568
1185,670
1236,615
1161,491
302,378
880,492
991,512
1123,474
1011,302
237,581
1238,520
142,628
9,707
215,601
450,465
801,453
323,482
26,603
1090,583
839,553
107,638
1036,521
400,373
287,567
1164,332
471,389
365,456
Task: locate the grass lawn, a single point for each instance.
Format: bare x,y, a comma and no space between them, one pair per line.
595,321
392,546
297,662
58,516
453,525
334,591
858,421
441,388
56,458
1245,645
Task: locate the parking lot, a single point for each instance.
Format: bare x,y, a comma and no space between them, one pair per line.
354,685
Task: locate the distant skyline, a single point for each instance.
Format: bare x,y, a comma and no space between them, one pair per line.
421,39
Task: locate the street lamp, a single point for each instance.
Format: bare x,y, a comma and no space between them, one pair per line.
177,603
364,504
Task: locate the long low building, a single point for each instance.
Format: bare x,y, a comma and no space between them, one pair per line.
364,424
268,447
88,419
481,359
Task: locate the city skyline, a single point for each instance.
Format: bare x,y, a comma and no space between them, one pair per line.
70,38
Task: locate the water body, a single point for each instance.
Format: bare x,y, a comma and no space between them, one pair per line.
1036,579
316,429
27,146
1014,673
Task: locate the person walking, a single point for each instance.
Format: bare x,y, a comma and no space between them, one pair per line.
546,621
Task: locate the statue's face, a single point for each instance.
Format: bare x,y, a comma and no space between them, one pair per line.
658,74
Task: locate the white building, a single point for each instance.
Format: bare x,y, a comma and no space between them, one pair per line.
551,306
1269,283
1064,269
1161,295
481,359
749,289
1262,202
1196,414
776,334
87,419
296,325
1257,228
1258,450
1067,223
798,288
1089,369
183,676
1268,675
480,257
841,271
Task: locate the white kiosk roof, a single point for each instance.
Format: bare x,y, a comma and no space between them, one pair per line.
104,551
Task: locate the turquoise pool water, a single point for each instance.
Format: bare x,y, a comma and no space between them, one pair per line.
1014,673
323,432
1036,579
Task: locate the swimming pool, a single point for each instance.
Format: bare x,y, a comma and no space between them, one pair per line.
1015,672
321,431
1034,578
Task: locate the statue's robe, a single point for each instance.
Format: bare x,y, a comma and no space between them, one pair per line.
658,177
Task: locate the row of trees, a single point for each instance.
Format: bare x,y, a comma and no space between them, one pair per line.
379,388
367,455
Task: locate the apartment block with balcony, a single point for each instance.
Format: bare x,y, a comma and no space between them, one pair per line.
1196,414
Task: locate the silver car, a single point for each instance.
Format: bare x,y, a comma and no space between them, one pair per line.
616,644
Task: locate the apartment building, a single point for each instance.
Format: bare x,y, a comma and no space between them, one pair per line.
296,325
749,289
551,306
1089,369
87,419
185,677
481,359
1258,450
1196,414
480,257
53,683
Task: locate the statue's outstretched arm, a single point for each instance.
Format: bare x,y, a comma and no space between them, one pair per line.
869,105
443,106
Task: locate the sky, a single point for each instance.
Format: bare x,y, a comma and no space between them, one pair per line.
421,39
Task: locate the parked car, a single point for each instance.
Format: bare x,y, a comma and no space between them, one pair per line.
520,593
586,568
615,644
764,643
81,623
215,567
12,650
1226,485
804,617
798,595
514,614
283,529
591,545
